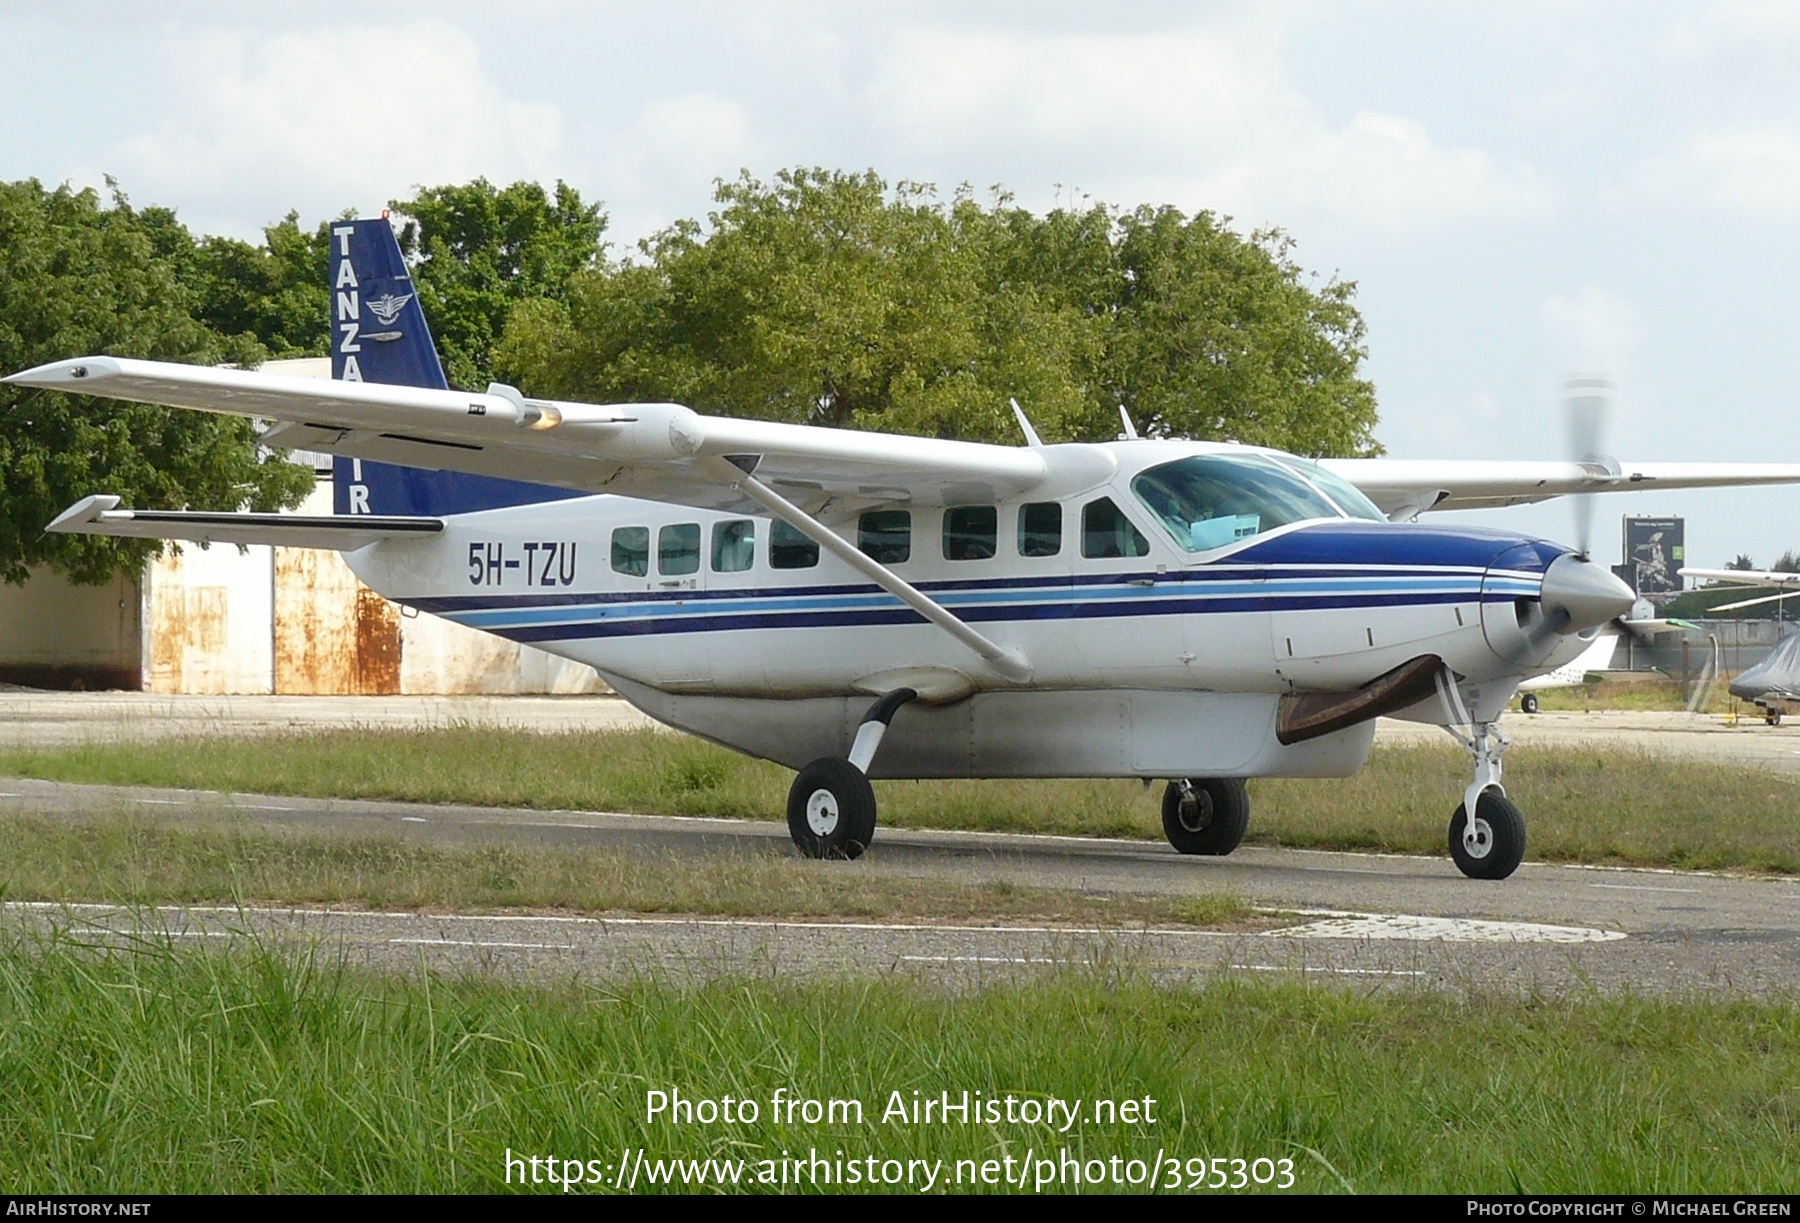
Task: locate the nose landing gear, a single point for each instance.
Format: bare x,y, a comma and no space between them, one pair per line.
1492,843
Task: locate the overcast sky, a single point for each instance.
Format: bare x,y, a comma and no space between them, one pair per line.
1521,192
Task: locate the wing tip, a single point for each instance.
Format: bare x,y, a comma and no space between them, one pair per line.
84,512
59,374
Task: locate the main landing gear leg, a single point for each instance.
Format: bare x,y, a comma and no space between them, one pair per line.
1492,843
831,807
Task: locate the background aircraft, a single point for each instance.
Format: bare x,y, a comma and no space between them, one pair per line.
857,604
1772,685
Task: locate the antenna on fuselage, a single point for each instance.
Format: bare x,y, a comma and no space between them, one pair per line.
1031,437
1131,433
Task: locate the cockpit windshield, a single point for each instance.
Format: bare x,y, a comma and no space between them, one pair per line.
1208,501
1349,498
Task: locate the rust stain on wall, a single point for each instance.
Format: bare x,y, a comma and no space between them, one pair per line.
333,635
377,645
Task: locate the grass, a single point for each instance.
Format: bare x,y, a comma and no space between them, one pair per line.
163,1069
1650,695
1583,804
134,859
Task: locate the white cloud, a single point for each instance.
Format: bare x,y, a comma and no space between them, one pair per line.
673,147
1747,172
1594,332
1209,119
324,121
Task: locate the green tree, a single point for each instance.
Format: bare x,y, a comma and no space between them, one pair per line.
828,298
477,250
276,291
79,278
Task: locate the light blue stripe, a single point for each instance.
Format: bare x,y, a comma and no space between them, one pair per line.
1394,590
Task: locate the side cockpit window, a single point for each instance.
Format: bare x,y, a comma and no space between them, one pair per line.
631,551
1209,501
1106,533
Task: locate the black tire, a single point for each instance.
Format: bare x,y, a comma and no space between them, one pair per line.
1209,819
1772,717
1504,846
831,810
1529,703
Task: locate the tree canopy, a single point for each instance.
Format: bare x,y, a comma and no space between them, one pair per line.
476,250
827,298
78,278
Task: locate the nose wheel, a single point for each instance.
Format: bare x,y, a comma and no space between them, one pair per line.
1493,844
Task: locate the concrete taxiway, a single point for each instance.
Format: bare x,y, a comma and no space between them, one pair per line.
1372,919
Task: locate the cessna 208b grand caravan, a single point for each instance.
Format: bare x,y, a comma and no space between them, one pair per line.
857,605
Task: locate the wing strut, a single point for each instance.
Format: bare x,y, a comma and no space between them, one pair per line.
1009,662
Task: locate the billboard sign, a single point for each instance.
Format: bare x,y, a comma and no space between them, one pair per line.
1655,550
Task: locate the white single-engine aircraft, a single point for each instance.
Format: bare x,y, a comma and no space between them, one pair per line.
857,605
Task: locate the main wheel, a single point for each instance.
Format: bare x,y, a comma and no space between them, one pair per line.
1498,844
831,809
1208,818
1772,717
1528,703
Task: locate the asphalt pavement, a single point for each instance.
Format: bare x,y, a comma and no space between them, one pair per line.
1373,920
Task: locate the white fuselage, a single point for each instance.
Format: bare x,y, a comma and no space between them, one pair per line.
1164,663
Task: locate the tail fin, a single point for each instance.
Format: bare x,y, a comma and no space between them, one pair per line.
378,334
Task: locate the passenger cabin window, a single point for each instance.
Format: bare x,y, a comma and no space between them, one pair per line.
970,532
1040,528
678,550
790,549
631,551
885,535
733,546
1107,533
1208,501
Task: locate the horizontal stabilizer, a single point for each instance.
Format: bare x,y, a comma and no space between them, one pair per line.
100,515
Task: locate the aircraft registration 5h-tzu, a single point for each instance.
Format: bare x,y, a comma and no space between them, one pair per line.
857,605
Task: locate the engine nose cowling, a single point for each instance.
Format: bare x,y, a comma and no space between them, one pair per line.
1535,600
1578,594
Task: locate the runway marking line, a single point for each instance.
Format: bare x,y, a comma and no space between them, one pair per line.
1334,925
1639,887
456,942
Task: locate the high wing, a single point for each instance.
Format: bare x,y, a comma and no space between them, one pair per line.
660,451
1403,488
667,452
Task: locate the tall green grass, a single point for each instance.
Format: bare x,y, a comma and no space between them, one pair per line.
133,858
164,1069
1583,804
